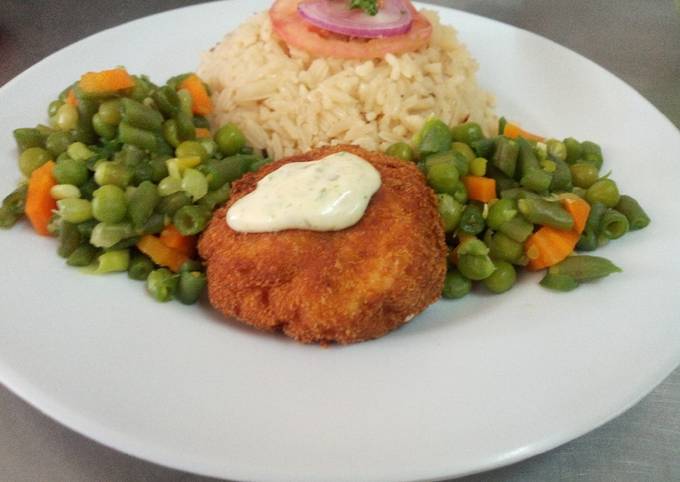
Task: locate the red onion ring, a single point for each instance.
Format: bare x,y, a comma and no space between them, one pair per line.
393,18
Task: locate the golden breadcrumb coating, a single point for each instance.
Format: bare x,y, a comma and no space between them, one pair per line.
342,286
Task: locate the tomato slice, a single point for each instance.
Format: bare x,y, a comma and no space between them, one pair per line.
298,33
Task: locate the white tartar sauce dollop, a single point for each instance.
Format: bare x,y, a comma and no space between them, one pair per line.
329,194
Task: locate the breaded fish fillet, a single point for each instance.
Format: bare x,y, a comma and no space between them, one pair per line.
342,286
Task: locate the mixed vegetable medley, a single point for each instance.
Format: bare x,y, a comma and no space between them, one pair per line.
518,201
126,175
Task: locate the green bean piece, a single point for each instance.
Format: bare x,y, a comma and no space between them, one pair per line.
167,101
64,191
53,107
88,188
69,239
140,267
185,127
71,171
456,285
114,261
592,153
138,137
478,166
502,279
450,211
230,140
574,150
605,191
589,237
561,177
15,201
537,180
169,185
86,227
74,210
502,247
143,88
191,265
154,225
161,284
584,174
559,282
106,235
557,151
142,203
629,207
27,137
159,168
169,205
190,220
259,164
467,133
109,204
584,268
443,177
546,213
505,156
503,182
518,229
185,102
484,147
82,256
502,122
12,208
140,116
194,184
464,149
401,150
31,159
216,197
79,151
472,219
449,157
112,173
190,287
500,212
170,133
229,169
614,224
475,267
532,176
433,137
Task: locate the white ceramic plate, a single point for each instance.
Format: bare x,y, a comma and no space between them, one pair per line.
467,386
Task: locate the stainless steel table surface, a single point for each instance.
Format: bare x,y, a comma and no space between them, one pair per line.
638,40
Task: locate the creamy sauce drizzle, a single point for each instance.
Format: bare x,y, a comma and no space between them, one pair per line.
329,194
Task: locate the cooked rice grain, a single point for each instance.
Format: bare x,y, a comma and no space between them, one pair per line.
287,102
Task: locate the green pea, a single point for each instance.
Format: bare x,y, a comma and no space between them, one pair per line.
109,204
190,149
450,211
401,150
32,158
574,150
66,117
583,174
475,267
110,112
161,284
107,131
443,177
435,136
53,108
456,285
500,212
74,210
604,191
502,279
478,166
112,173
230,140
